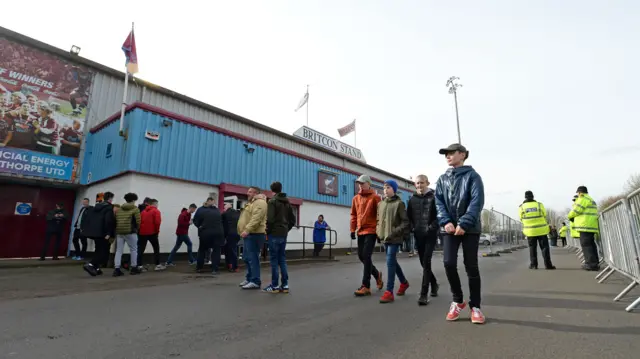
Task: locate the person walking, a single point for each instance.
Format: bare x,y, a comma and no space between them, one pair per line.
563,234
363,223
320,228
535,227
208,220
56,218
252,228
127,224
80,252
423,218
459,201
280,220
182,235
585,221
553,236
149,232
391,227
230,218
100,225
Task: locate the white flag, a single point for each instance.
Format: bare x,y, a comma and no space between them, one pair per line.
347,129
303,101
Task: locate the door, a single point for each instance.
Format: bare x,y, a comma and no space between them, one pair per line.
233,200
23,235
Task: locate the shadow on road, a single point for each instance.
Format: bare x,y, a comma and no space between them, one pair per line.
570,328
534,302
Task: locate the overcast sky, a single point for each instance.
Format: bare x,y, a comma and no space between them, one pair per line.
547,102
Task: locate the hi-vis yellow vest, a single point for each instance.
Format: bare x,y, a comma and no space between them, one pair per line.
572,229
534,222
563,232
585,214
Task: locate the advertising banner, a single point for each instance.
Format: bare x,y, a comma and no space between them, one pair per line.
43,102
320,139
36,164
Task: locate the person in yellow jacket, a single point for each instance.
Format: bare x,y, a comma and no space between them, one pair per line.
562,233
534,225
252,226
585,221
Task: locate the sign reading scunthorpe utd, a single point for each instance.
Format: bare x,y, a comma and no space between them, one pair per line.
329,143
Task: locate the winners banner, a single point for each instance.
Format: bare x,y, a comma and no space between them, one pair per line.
43,104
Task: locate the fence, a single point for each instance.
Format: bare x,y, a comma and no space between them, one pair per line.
619,243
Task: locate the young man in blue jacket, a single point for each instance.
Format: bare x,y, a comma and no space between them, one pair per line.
459,202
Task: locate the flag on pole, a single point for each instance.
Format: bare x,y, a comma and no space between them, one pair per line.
129,48
347,129
303,101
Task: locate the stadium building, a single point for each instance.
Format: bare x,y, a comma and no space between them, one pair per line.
169,147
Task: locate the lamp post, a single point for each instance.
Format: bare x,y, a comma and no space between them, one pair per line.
453,89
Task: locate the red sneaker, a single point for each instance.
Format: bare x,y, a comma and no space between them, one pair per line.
403,288
477,317
454,311
387,297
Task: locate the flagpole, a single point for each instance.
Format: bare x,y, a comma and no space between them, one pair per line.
124,95
307,105
355,134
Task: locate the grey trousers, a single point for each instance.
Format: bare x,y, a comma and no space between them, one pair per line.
132,242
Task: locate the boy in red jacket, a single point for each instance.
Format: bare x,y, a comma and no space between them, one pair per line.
149,230
182,233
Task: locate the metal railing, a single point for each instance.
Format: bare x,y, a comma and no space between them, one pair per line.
618,243
303,245
501,232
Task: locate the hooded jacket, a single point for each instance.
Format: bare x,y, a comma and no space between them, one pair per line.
392,221
364,209
99,221
127,219
422,214
209,223
253,218
460,198
184,221
151,220
280,216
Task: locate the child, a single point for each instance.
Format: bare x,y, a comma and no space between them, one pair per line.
392,226
459,202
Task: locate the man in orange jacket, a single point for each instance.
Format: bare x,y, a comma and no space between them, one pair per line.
364,211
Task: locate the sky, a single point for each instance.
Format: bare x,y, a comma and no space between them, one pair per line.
547,102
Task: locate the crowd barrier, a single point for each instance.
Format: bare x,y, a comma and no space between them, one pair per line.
618,244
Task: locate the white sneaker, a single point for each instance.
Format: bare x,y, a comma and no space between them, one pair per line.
160,267
208,263
244,282
251,285
169,265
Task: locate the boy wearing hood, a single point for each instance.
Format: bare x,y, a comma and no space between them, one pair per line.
127,224
459,202
423,216
100,225
392,225
252,228
280,220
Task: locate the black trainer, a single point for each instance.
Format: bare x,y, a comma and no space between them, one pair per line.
533,267
134,271
550,268
423,300
117,272
90,269
434,290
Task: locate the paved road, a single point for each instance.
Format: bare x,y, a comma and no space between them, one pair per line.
531,314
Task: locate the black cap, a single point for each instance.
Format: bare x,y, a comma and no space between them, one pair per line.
528,194
454,147
582,189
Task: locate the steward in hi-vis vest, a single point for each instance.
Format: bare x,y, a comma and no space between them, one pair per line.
584,215
534,225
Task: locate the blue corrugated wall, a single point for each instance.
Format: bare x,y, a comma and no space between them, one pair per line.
193,153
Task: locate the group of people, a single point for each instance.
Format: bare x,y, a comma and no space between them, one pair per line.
455,206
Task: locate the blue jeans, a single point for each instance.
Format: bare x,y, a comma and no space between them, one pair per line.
252,245
393,268
179,240
278,258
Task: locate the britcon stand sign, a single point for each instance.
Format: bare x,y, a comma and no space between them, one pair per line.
327,142
31,163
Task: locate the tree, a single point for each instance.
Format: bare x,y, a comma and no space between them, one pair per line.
633,183
489,221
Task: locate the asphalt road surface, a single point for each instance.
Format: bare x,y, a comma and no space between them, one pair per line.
530,314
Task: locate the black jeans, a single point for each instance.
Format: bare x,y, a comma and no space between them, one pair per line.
207,243
231,251
469,243
317,248
56,244
589,249
142,245
101,252
77,239
544,248
366,245
425,245
564,241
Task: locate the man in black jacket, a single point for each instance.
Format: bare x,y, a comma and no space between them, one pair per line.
80,252
424,224
100,225
280,220
208,220
56,218
230,223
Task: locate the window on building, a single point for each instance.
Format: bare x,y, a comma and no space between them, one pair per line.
296,212
108,154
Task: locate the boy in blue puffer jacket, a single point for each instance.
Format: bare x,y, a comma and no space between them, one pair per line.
459,201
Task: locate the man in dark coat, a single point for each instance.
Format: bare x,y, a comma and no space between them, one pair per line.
208,220
100,225
56,219
230,223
